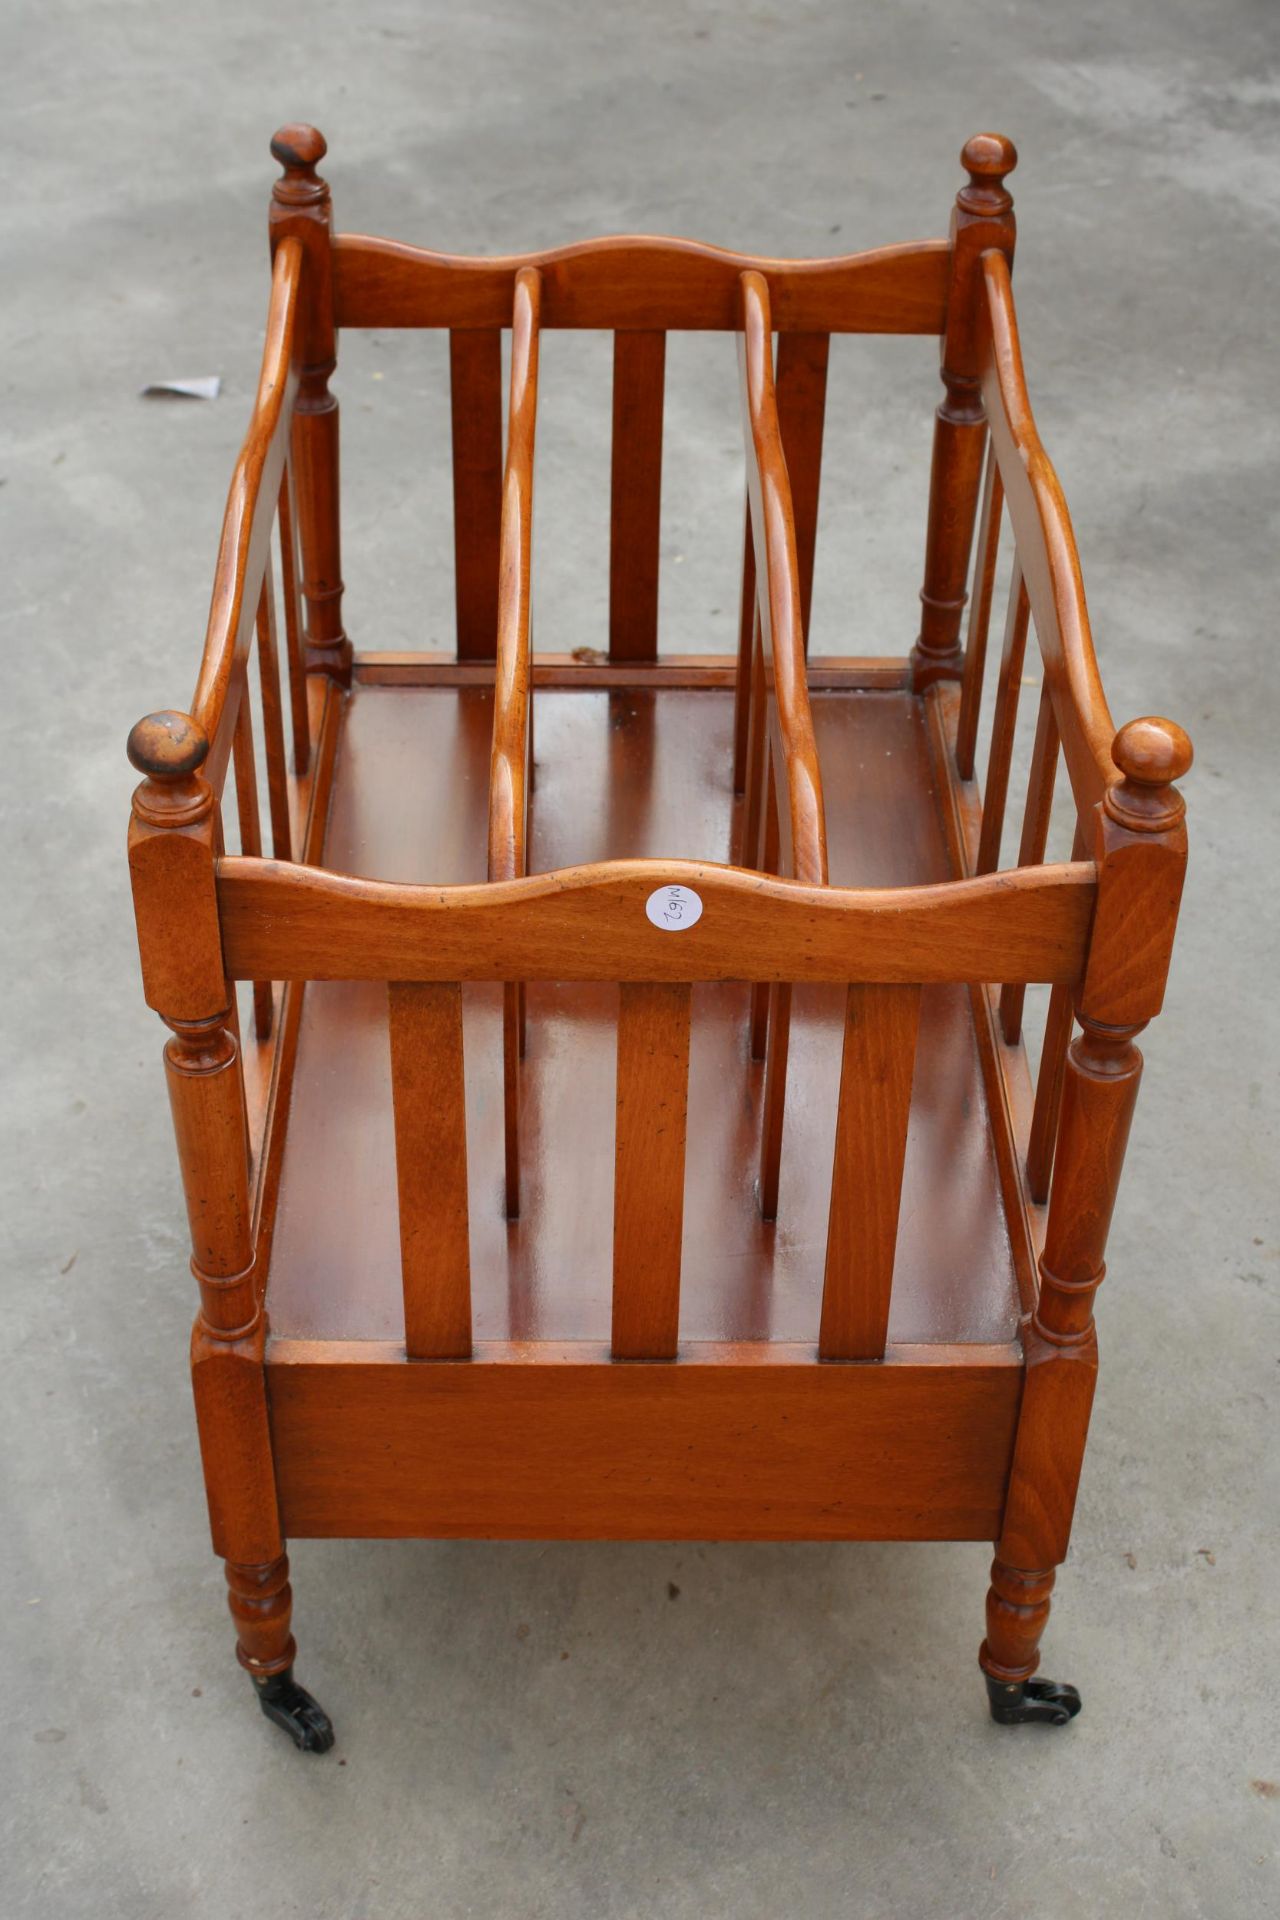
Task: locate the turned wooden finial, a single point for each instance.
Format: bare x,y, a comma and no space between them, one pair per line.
299,149
170,748
1151,753
987,158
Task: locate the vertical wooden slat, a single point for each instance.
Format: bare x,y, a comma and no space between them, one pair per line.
771,1026
975,653
1058,1028
746,656
475,379
801,386
1003,724
777,1044
250,833
648,1193
293,623
273,719
1035,837
753,802
880,1028
639,362
767,859
428,1093
1048,1101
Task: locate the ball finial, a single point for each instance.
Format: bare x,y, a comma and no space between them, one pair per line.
299,146
168,746
1150,753
987,158
299,149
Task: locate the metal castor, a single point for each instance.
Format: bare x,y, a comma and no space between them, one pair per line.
291,1707
1048,1703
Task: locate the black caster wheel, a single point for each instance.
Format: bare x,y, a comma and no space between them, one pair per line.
1047,1703
291,1707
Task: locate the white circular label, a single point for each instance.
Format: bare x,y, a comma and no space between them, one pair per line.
674,909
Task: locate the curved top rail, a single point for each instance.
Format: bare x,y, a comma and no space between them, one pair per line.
508,770
641,280
283,922
781,619
1046,550
251,501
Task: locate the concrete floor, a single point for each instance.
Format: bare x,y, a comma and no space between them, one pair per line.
530,1730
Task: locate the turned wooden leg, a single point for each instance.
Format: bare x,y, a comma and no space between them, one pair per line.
261,1603
1017,1610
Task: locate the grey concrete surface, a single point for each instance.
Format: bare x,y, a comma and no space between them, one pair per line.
530,1730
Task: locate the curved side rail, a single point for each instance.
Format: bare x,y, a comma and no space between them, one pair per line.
508,766
1047,551
641,280
251,508
802,821
589,923
509,762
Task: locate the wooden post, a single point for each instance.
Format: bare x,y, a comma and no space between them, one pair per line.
300,205
173,841
983,218
1141,850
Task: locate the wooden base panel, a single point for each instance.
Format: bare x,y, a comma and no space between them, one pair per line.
753,1442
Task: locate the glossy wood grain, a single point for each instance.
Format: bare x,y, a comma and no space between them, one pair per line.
429,1101
648,1180
982,224
778,598
635,516
877,1067
643,282
250,828
1046,550
975,652
1036,817
588,923
475,394
290,594
251,505
482,1321
592,667
745,1444
802,398
629,773
1004,723
273,720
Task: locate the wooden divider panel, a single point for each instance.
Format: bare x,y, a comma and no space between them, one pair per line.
475,379
428,1095
639,365
880,1027
648,1196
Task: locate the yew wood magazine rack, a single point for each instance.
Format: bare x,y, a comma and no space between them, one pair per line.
652,1154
